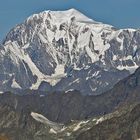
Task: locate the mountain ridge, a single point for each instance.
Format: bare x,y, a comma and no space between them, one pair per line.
61,53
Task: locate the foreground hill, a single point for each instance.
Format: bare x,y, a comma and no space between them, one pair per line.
123,124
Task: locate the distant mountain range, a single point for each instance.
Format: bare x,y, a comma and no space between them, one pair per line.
65,51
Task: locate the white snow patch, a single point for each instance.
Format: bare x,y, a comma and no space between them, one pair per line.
79,125
129,57
15,84
42,119
83,39
52,131
58,75
69,90
100,120
68,134
66,15
87,78
121,42
75,81
64,128
76,68
95,73
26,46
5,81
43,39
42,95
114,57
88,128
131,69
94,120
135,48
86,67
93,89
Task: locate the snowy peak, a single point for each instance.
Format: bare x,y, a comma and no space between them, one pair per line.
61,16
63,48
73,13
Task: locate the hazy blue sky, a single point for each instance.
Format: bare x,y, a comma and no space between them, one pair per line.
120,13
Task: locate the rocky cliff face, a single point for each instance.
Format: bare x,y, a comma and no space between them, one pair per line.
124,126
65,50
66,106
26,116
26,123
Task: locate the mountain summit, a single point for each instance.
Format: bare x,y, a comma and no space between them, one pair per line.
62,16
65,50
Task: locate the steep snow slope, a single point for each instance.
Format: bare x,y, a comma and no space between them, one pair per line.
64,50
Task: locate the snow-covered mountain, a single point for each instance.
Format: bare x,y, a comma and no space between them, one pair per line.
65,50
